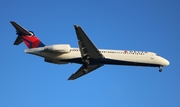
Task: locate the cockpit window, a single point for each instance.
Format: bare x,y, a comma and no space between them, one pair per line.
157,55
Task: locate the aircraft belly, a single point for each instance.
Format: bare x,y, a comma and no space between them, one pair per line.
129,60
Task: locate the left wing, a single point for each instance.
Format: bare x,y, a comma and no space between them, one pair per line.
88,51
81,71
87,48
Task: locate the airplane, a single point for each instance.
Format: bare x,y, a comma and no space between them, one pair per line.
86,54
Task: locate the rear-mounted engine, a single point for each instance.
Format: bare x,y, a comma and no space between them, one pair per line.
61,48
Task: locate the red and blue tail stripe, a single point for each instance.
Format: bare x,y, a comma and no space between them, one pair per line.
28,37
32,41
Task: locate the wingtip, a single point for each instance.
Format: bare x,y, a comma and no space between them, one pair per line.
76,26
70,79
12,22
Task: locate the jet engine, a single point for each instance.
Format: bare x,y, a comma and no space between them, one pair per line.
54,61
61,48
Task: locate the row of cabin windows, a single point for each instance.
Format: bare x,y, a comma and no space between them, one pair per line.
74,50
121,52
115,52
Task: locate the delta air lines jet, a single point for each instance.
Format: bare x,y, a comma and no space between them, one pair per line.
87,54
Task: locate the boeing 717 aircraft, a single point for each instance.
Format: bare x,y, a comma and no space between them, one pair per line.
87,54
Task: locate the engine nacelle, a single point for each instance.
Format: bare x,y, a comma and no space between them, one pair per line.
61,48
54,61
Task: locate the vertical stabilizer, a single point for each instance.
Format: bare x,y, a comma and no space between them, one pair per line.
28,37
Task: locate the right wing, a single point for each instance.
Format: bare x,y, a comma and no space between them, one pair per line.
81,71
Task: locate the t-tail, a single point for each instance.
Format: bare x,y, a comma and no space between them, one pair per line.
28,37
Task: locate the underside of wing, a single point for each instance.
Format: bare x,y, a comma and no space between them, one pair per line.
83,70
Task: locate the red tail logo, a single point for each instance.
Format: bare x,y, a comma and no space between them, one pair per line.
32,41
28,37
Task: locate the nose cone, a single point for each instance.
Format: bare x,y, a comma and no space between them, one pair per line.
165,62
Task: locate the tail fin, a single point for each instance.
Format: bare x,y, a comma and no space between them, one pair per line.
28,37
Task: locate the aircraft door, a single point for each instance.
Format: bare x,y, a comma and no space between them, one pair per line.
152,56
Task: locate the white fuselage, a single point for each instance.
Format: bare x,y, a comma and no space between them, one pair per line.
88,55
116,57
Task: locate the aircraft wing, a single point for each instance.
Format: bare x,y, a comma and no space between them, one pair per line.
81,71
88,51
86,46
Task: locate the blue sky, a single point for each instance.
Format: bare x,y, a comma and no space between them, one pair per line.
151,25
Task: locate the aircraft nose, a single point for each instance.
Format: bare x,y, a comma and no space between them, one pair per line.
165,62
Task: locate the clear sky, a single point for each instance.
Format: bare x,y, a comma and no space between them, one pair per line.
145,25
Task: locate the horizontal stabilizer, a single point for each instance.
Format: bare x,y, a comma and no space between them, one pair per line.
19,29
18,40
28,37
